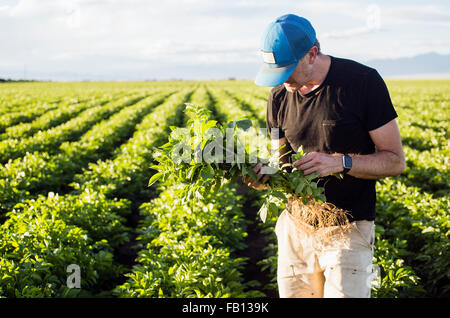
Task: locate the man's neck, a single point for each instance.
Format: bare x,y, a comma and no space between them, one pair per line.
319,73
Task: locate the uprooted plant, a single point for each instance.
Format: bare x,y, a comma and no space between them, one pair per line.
208,161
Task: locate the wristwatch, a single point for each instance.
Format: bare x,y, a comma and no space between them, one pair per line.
347,163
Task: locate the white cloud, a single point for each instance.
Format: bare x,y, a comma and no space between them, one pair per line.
28,8
346,33
414,14
94,35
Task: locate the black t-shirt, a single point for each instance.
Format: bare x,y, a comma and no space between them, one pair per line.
336,117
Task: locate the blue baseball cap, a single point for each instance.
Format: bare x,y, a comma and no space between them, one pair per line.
283,44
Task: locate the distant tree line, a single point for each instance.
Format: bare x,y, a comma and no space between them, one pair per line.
8,80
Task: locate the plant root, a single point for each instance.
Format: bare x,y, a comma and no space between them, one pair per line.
323,220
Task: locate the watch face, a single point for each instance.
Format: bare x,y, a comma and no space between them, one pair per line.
347,162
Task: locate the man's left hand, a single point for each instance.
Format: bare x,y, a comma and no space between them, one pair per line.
325,164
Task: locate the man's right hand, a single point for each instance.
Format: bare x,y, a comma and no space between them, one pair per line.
262,178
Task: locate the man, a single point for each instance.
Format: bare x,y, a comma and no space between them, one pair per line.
340,112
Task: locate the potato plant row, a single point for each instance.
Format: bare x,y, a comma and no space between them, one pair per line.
22,116
55,117
413,208
428,170
187,249
40,172
49,139
227,102
127,174
256,106
422,223
28,105
41,238
90,226
19,105
14,98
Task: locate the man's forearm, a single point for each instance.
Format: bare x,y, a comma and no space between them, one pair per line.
377,165
381,164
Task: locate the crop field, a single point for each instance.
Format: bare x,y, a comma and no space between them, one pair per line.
75,164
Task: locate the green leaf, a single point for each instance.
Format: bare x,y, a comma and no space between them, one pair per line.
300,187
263,213
205,173
217,185
312,176
252,174
210,124
244,124
231,124
37,277
244,170
157,167
429,229
155,178
315,192
190,172
272,209
210,169
279,195
298,154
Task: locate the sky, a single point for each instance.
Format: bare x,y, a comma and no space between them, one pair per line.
200,39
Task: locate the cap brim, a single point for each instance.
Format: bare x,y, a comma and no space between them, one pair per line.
274,76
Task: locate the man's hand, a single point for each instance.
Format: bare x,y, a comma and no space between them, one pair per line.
325,164
256,184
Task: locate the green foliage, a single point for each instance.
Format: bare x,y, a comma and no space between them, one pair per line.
126,175
186,250
396,279
42,237
38,171
200,175
64,138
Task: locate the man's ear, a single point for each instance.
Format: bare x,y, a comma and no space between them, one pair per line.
312,54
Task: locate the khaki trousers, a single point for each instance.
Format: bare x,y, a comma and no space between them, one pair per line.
307,268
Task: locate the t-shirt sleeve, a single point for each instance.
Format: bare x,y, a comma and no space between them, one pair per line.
273,126
379,109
